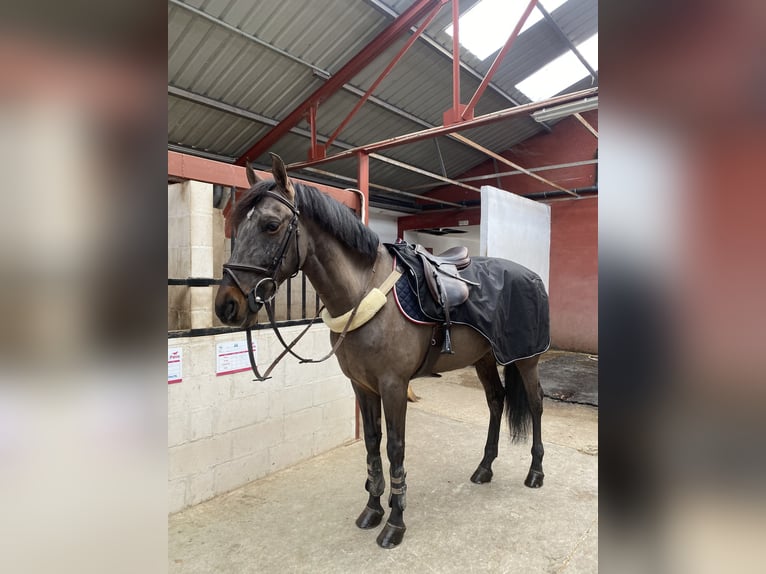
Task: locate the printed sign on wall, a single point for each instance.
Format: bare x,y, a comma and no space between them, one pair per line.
175,365
231,357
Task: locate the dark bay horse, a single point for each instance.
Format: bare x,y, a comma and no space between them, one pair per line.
282,227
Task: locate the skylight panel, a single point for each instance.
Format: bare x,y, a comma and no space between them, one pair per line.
553,77
485,28
561,72
589,50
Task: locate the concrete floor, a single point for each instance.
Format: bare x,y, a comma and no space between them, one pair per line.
302,519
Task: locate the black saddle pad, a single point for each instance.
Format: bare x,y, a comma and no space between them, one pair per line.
509,307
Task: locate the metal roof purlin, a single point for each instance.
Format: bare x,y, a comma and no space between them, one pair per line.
371,51
415,169
322,73
319,71
514,165
382,76
498,174
384,188
247,114
445,130
587,125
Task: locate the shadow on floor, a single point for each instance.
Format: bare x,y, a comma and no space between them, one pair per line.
570,377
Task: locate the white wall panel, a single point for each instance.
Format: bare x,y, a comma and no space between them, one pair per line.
516,228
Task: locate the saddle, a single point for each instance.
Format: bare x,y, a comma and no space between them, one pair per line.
509,309
441,273
446,286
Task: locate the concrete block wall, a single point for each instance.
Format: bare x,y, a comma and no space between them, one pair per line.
179,257
226,431
179,303
196,248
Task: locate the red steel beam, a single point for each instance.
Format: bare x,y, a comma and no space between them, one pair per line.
455,56
187,166
363,182
455,113
468,111
404,22
314,150
448,129
381,77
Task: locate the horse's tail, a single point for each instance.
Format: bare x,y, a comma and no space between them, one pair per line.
516,403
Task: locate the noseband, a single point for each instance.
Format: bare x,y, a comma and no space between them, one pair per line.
254,301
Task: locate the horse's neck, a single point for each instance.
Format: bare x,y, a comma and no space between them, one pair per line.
338,274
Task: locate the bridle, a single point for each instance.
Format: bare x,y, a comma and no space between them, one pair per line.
255,301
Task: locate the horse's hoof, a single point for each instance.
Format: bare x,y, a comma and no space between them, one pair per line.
481,475
534,479
369,518
391,535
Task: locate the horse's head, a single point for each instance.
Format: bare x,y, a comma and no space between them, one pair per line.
268,247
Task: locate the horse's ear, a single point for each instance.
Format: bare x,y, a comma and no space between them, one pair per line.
280,176
252,177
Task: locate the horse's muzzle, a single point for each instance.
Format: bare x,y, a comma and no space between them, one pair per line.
230,306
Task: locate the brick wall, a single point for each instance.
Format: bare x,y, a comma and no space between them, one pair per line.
573,283
574,275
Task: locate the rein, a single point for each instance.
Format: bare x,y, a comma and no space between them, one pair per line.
255,301
288,347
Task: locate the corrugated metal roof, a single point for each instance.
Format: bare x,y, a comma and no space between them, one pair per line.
236,67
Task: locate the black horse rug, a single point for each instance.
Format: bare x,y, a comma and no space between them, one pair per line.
509,307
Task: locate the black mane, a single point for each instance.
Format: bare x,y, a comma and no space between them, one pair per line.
331,215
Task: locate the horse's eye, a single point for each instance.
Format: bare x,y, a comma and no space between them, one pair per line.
271,226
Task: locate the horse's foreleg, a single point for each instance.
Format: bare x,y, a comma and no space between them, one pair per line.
395,406
530,375
486,369
369,407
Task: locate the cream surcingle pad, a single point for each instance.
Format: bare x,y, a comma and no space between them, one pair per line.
369,306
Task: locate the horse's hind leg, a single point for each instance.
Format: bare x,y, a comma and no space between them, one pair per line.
369,407
486,369
530,376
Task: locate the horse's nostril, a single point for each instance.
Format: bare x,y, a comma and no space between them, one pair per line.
230,311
